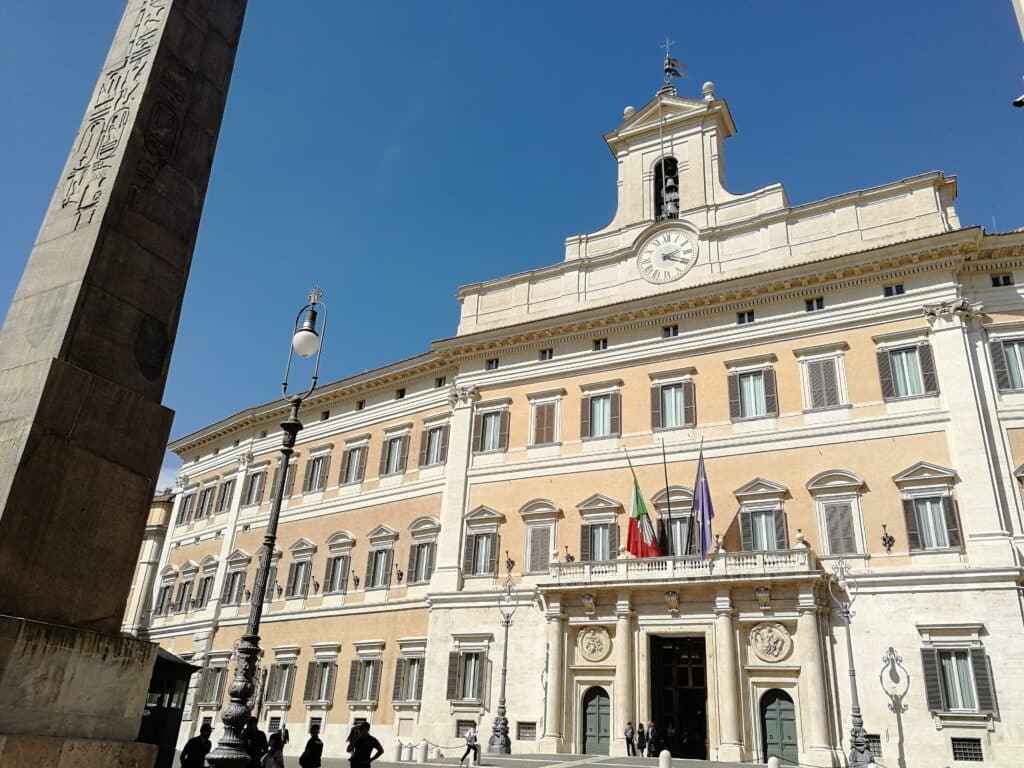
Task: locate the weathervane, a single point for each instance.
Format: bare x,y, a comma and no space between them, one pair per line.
673,67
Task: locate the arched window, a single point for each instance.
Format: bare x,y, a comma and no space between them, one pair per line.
666,189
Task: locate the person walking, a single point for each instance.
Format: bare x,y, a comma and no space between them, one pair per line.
274,758
196,748
471,746
285,736
652,740
365,748
312,755
630,746
641,740
254,742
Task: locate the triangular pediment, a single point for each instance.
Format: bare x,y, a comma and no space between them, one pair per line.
239,556
382,532
669,112
598,502
302,545
759,488
189,566
925,471
485,514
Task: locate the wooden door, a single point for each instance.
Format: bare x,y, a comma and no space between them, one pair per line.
778,726
596,722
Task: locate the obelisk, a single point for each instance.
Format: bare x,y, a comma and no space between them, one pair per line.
84,354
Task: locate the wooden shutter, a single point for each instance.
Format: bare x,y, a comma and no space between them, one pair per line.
418,693
343,563
613,540
424,442
771,395
290,588
355,669
839,525
983,680
331,671
746,531
816,383
307,484
544,423
346,459
396,692
467,555
479,692
689,404
830,376
478,432
656,422
361,466
431,551
616,409
885,374
290,479
275,481
540,547
303,587
663,541
735,412
311,675
273,681
410,570
246,485
324,473
225,593
403,456
995,349
585,417
503,430
952,521
225,489
910,518
452,686
585,543
375,668
444,445
932,680
388,555
369,569
385,446
781,534
329,573
928,375
492,561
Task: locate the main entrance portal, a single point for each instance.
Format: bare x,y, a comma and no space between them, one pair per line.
679,695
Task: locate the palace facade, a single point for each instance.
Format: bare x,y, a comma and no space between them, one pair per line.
854,368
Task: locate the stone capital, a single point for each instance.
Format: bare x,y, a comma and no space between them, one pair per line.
462,397
953,313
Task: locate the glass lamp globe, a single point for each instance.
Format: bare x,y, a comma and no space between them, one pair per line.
305,342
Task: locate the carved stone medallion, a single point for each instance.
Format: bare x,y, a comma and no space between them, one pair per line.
771,642
594,643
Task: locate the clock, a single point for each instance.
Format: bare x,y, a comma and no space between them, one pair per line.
666,255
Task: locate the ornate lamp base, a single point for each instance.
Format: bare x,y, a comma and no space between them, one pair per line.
499,743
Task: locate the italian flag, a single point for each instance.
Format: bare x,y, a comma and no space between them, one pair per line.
641,541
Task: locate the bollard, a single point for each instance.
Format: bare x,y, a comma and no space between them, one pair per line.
396,751
774,762
421,752
407,753
664,759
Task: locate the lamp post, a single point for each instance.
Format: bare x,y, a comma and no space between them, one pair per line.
844,593
499,742
306,341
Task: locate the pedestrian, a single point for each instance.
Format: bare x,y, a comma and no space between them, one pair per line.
471,746
275,752
652,740
641,740
313,754
365,749
196,748
254,742
285,736
629,734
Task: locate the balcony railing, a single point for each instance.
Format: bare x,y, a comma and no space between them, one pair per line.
722,565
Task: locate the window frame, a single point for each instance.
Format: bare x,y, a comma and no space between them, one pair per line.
318,469
481,522
809,356
356,450
537,400
918,340
259,475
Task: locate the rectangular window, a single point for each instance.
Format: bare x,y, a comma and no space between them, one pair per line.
409,679
839,527
967,750
205,506
491,364
234,587
544,415
185,510
298,578
421,562
672,406
998,281
354,465
931,523
539,541
822,383
336,575
752,395
252,492
906,372
490,436
600,542
472,676
678,532
763,526
181,602
394,455
205,591
600,415
316,472
211,685
320,676
400,393
600,345
815,304
440,381
892,290
280,680
480,556
526,731
669,331
743,318
163,599
360,404
434,448
227,490
274,724
957,681
1008,357
378,569
875,744
547,354
364,680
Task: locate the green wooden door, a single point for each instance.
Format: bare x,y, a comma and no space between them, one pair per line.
596,722
778,726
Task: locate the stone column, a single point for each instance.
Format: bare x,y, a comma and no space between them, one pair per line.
730,722
554,715
817,749
625,687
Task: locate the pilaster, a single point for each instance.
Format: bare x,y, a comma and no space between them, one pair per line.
625,661
817,748
730,720
552,739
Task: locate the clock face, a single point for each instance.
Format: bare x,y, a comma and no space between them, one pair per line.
667,256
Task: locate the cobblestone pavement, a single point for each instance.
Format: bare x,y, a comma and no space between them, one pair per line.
541,761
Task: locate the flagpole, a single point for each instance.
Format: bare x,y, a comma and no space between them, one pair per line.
668,500
696,491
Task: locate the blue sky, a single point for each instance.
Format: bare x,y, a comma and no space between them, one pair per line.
394,151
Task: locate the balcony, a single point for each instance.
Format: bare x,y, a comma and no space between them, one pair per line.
725,565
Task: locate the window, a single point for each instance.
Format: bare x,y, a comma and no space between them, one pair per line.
815,304
998,281
967,750
745,317
408,679
932,523
752,394
298,578
907,372
958,679
539,546
600,345
393,455
673,405
360,404
547,354
320,676
669,331
490,431
205,505
762,519
600,415
185,510
889,291
759,529
491,364
526,731
205,591
325,415
181,602
400,393
421,562
378,568
211,684
875,744
599,541
363,680
289,478
440,381
279,683
462,727
839,527
234,588
466,675
316,472
353,465
545,422
227,490
666,188
163,599
434,446
1008,363
252,491
481,554
274,723
336,575
822,384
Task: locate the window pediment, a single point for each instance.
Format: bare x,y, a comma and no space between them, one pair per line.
598,503
760,489
208,562
835,481
340,540
483,515
302,547
925,473
540,509
188,567
239,556
169,571
678,496
382,533
424,526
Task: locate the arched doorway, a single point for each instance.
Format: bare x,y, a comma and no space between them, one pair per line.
778,727
596,722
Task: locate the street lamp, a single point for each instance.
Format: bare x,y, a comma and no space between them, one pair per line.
306,341
499,742
844,593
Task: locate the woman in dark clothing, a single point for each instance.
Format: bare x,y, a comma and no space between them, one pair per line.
362,746
641,740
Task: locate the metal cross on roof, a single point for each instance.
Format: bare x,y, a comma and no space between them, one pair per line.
672,67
